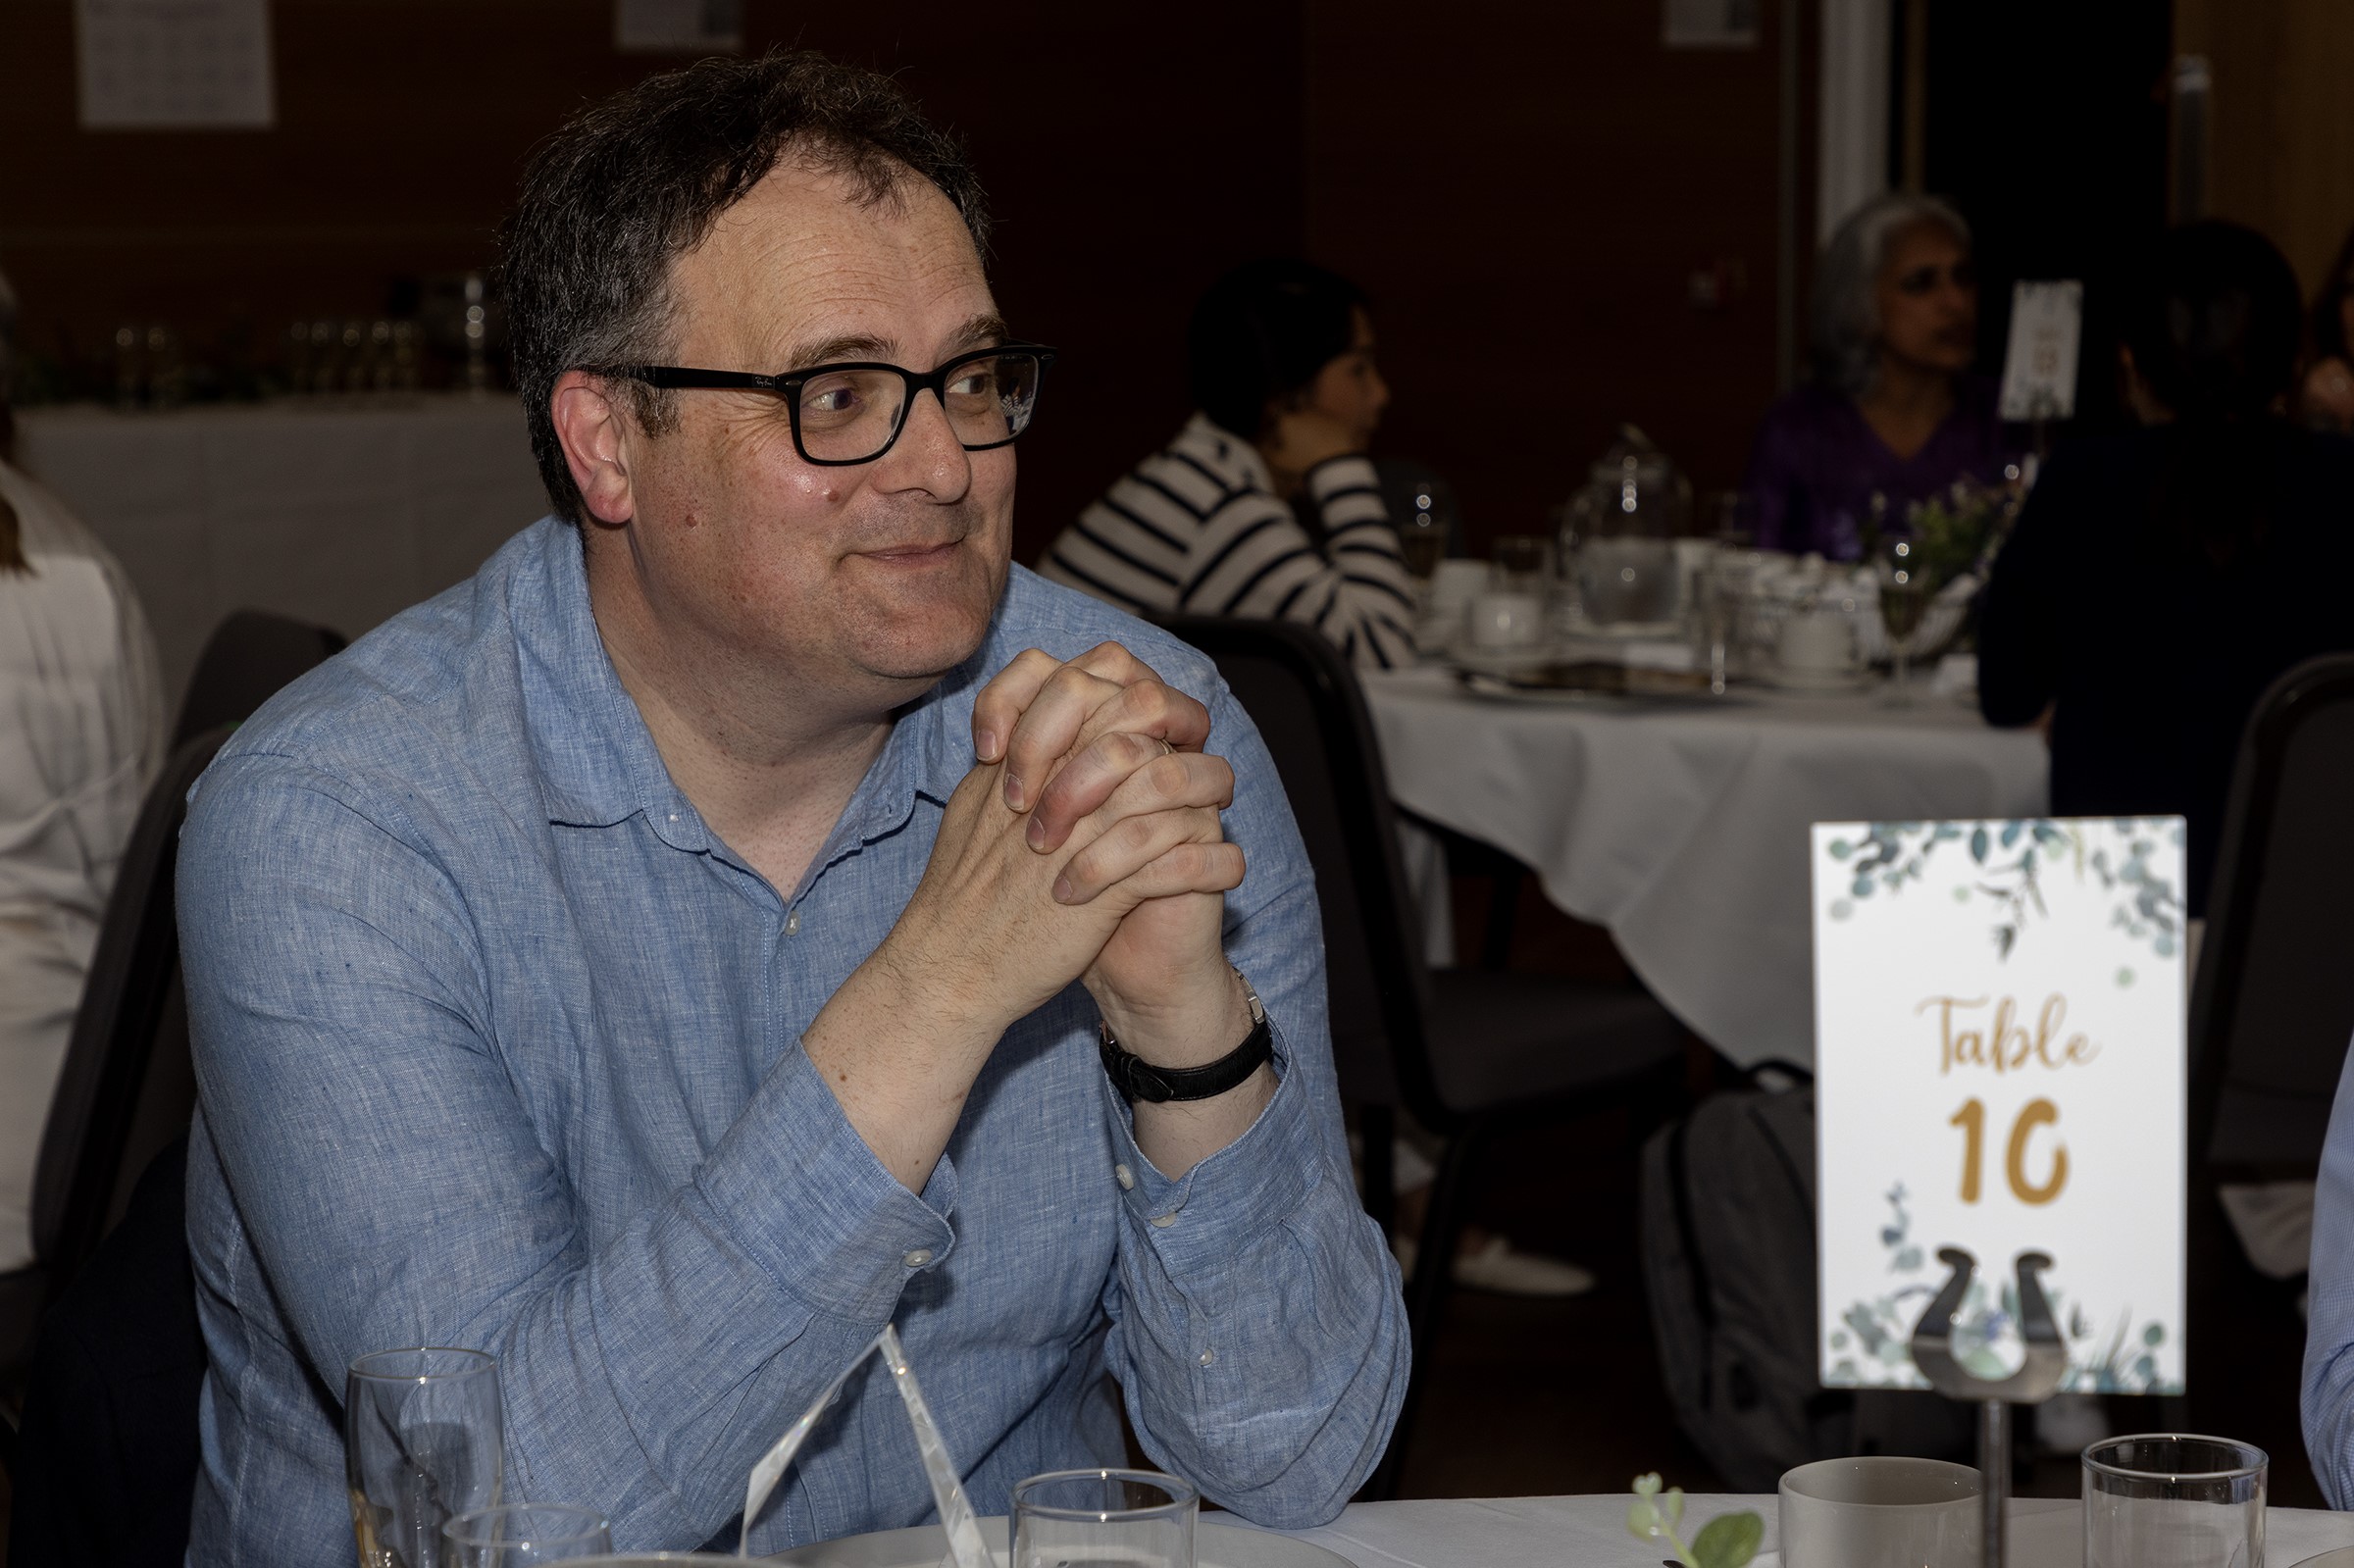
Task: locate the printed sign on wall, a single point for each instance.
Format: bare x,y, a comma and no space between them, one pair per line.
2000,1067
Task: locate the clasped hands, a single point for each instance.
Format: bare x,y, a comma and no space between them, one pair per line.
1085,844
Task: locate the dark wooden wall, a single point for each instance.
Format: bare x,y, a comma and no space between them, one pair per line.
1526,190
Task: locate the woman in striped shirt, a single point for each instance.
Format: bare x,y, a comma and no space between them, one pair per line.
1265,505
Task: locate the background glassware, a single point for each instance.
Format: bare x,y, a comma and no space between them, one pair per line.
2172,1500
424,1439
1521,563
1904,601
517,1534
1422,540
1102,1518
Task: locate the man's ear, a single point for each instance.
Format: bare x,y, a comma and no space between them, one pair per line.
591,425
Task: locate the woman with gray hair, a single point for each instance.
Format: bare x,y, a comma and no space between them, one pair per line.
1890,414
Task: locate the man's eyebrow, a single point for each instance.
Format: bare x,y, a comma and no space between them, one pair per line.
827,351
979,332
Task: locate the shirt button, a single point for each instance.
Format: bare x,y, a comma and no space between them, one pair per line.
918,1259
793,924
1208,1357
1165,1221
1124,1175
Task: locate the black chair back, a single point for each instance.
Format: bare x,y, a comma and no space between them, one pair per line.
110,1443
248,657
1310,711
125,1088
2273,1008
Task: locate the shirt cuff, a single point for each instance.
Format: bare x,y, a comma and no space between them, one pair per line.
808,1201
1218,1211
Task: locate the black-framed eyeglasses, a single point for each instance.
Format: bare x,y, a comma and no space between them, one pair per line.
852,412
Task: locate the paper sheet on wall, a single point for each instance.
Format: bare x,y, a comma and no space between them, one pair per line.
172,65
2039,363
1708,23
2000,1067
678,27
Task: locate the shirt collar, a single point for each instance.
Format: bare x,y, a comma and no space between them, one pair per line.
597,759
1216,447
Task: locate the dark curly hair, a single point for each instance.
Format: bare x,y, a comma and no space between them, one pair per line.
1260,336
629,184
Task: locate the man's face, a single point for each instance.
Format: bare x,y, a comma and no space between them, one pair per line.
848,581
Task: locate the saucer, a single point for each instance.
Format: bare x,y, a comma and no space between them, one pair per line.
1823,683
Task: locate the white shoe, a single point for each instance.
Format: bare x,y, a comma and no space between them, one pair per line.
1501,1270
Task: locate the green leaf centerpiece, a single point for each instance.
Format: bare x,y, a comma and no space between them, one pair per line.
1727,1540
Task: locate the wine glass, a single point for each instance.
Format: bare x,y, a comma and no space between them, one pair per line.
424,1441
1904,604
523,1534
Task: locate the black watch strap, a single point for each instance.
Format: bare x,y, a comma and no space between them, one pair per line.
1139,1080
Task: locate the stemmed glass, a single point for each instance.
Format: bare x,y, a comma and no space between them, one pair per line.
424,1441
523,1534
1904,604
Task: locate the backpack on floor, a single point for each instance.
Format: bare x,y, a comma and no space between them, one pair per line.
1727,1237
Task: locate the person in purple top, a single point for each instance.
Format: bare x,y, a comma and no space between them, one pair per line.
1890,413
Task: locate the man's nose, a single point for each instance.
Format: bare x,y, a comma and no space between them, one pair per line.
928,455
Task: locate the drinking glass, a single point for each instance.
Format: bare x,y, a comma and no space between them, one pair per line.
1903,603
518,1535
2170,1501
1422,540
423,1442
1521,563
1103,1519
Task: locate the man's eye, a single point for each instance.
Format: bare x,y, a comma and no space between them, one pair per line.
972,384
829,400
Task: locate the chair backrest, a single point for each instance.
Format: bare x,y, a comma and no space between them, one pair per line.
248,657
1310,709
2273,1008
125,1088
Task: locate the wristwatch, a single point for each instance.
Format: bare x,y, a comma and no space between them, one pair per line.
1139,1080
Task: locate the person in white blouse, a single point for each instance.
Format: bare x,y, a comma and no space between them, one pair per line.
82,734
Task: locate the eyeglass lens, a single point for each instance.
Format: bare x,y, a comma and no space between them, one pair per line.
851,416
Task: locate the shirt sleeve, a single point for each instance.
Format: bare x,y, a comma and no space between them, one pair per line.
395,1191
1254,558
2329,1397
1258,1329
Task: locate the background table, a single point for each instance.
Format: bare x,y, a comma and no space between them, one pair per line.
1683,827
1591,1533
340,513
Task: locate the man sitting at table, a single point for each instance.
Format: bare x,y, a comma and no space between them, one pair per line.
662,961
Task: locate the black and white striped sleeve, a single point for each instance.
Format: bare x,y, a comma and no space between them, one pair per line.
1256,559
1131,546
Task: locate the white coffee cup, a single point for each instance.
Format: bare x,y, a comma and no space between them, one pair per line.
1499,622
1867,1513
1817,642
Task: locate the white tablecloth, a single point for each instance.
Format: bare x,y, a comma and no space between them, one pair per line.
1683,828
1578,1531
340,514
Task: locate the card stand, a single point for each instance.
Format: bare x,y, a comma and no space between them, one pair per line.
2036,1380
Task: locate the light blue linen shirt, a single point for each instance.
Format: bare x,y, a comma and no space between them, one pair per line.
500,1046
2329,1397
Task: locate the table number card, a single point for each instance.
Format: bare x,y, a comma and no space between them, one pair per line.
2000,1067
